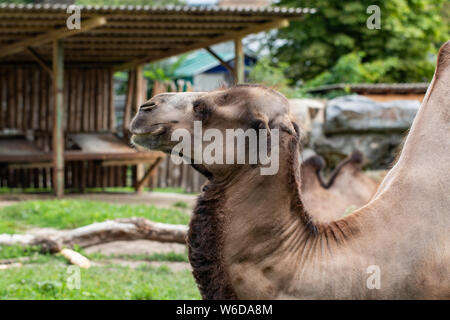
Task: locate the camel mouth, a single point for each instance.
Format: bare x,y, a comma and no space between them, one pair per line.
156,129
152,138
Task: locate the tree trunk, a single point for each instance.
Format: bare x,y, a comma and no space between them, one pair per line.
102,232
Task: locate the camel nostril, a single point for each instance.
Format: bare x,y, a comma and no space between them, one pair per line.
148,106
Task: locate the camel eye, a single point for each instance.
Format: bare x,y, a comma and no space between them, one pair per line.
200,108
197,106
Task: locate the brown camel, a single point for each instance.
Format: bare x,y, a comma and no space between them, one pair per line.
250,236
331,200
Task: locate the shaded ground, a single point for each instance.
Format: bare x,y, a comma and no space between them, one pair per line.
173,266
159,199
137,247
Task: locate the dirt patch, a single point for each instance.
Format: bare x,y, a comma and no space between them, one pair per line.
174,266
136,247
6,203
159,199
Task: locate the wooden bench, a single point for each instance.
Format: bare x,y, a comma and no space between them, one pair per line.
17,152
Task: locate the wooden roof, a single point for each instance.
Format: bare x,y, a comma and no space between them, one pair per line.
128,35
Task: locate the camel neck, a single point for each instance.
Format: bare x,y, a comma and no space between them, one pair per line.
250,211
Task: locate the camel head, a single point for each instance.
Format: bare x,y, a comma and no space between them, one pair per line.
242,107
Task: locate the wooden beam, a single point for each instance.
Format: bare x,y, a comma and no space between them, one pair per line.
114,45
151,17
158,32
58,116
26,29
106,53
32,165
51,36
150,172
136,24
139,98
239,62
139,92
279,23
40,61
177,24
128,104
141,39
222,62
128,162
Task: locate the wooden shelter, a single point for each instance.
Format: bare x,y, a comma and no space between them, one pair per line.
57,116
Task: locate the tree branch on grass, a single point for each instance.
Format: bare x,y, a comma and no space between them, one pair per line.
99,233
102,232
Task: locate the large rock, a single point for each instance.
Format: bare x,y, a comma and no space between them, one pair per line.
379,149
303,112
355,113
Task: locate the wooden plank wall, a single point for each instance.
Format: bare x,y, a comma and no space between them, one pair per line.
26,108
170,175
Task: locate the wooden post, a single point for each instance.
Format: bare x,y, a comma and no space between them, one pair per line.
222,62
239,63
58,116
139,99
128,105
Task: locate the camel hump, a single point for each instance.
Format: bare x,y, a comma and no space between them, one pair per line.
443,60
353,162
316,162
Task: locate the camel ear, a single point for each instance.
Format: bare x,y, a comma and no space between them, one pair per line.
283,123
260,122
296,128
443,59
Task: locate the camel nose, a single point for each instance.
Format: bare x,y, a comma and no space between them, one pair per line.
148,107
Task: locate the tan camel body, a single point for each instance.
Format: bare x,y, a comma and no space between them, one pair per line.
330,201
250,236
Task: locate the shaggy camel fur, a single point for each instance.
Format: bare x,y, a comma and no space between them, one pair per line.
250,236
327,202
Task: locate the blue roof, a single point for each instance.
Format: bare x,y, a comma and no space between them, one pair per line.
201,61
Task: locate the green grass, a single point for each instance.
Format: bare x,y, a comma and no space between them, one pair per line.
45,276
69,214
49,280
4,190
10,252
9,226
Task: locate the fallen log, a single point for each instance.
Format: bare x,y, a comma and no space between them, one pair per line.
76,258
102,232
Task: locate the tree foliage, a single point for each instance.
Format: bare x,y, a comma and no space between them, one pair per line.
164,70
410,33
